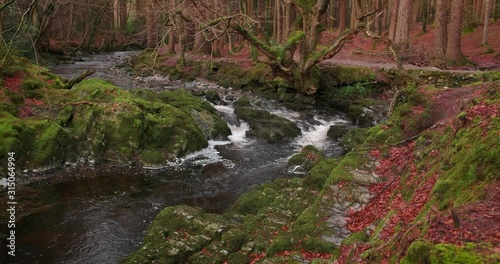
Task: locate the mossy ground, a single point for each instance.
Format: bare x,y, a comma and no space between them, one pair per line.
97,121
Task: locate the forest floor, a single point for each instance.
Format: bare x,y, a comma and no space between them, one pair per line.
361,51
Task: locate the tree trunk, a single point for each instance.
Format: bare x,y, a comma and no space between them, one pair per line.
286,29
1,24
454,43
401,37
122,10
425,14
496,9
150,25
441,31
343,15
171,42
394,19
486,22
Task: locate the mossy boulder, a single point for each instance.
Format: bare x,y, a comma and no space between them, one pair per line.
50,146
361,115
206,117
177,233
337,132
97,121
265,125
353,138
306,159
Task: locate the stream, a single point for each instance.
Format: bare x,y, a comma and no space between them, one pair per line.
100,214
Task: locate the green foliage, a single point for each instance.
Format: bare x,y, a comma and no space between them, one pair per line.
352,91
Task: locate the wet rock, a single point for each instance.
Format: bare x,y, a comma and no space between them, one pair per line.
213,97
337,132
265,125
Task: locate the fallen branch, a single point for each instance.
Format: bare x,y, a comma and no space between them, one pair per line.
78,79
393,103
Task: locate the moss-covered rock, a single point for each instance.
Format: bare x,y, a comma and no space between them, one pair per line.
51,146
337,132
177,233
97,121
265,125
449,253
206,117
353,138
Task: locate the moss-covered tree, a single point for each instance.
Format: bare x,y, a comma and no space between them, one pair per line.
296,58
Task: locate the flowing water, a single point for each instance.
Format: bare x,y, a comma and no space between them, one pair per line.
101,214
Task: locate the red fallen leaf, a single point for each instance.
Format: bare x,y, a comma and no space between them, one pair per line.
285,228
284,253
14,83
254,257
25,111
275,233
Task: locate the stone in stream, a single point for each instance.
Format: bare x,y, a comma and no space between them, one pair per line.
265,125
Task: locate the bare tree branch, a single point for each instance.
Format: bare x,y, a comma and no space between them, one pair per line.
6,5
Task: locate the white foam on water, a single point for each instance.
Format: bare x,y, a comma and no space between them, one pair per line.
224,109
316,135
238,134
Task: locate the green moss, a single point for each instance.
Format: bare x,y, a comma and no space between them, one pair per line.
447,253
253,201
358,237
418,253
51,146
353,138
176,233
153,157
31,84
206,117
233,239
280,244
378,135
319,173
349,75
